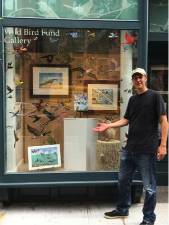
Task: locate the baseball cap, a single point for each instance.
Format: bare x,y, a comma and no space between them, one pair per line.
140,71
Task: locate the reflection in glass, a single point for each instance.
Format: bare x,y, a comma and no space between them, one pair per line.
75,9
159,81
51,75
159,16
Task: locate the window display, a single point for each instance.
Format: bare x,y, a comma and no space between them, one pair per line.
59,84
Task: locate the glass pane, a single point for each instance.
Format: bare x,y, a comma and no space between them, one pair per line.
159,16
159,81
73,9
59,84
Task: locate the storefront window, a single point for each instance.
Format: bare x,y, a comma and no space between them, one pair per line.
159,81
159,16
59,84
73,9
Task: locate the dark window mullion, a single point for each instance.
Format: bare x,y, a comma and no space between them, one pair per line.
61,23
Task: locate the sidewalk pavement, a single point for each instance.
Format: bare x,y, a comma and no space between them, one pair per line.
78,213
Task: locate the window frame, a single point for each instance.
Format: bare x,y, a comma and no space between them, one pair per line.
66,178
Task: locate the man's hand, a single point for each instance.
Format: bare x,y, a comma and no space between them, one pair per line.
101,127
162,151
104,126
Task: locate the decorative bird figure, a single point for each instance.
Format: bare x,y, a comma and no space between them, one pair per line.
129,39
92,75
51,116
74,34
39,105
16,138
18,82
9,65
91,34
15,113
9,89
49,58
35,118
21,49
80,69
36,132
113,35
52,40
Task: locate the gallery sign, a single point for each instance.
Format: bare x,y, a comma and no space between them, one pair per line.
27,35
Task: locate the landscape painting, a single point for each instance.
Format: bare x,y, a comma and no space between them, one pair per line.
50,80
45,156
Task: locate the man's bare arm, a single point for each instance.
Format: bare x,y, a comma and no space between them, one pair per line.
120,123
104,126
162,150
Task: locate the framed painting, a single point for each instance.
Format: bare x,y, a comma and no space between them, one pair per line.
50,80
102,96
43,157
80,102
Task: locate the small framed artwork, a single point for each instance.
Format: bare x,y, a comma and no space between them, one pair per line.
103,96
43,157
80,102
50,80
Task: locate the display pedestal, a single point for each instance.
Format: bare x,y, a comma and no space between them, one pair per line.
107,155
79,144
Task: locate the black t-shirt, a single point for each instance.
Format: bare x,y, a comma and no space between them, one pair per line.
143,112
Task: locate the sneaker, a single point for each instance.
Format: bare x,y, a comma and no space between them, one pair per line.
115,214
146,223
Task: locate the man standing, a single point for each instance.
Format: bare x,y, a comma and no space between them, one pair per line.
144,112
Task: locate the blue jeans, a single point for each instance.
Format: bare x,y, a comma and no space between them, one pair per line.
145,164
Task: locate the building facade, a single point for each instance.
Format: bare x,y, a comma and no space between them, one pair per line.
65,66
